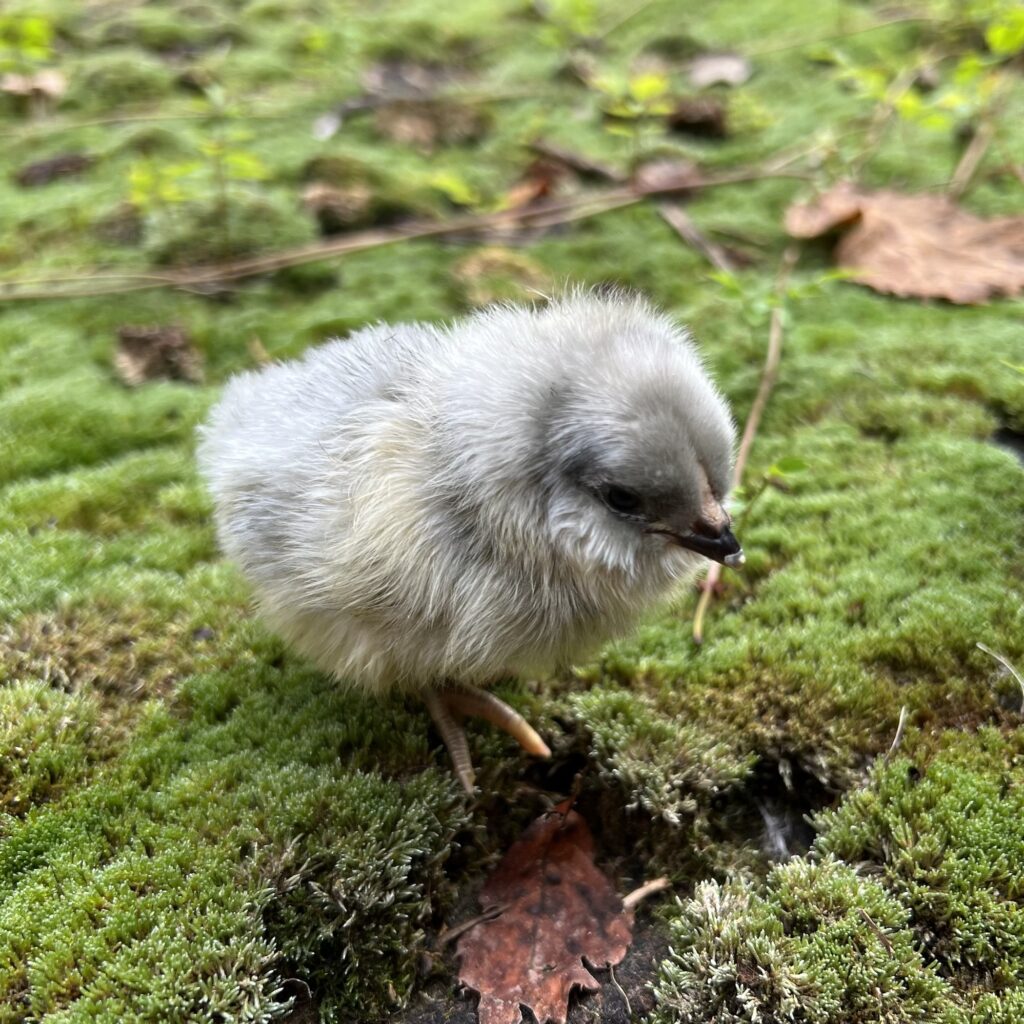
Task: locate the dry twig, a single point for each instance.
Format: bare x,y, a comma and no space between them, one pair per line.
681,222
199,277
898,738
638,895
1008,665
769,375
882,937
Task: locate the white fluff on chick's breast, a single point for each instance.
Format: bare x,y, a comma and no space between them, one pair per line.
435,508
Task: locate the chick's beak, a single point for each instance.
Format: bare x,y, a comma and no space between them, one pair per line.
721,546
709,536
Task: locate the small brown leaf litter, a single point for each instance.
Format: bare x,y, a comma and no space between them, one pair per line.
42,172
701,115
658,176
718,69
47,84
557,911
150,352
424,125
916,246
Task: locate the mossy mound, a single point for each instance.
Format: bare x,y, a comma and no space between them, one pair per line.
920,920
194,825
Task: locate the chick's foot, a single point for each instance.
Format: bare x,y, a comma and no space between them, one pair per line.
448,707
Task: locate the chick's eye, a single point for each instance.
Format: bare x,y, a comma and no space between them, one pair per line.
621,499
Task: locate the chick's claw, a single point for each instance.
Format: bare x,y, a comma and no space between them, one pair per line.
447,708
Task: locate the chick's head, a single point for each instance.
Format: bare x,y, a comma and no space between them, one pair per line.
639,446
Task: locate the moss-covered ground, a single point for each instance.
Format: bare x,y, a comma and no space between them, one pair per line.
195,825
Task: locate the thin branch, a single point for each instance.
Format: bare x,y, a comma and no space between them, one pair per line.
882,937
681,222
975,152
542,215
621,991
769,375
637,896
971,159
898,738
459,929
673,214
1008,665
348,108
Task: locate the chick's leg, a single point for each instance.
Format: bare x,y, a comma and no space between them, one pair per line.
447,708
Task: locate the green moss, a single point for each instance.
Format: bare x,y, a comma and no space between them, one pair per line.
47,738
208,233
120,78
822,945
192,817
946,830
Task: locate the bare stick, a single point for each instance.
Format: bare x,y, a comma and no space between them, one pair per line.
769,375
542,215
681,222
1008,665
637,896
882,937
621,991
898,738
458,929
970,161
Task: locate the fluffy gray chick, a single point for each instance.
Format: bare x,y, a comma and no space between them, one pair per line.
434,508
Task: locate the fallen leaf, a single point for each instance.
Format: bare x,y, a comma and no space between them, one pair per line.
667,176
916,246
539,181
427,123
151,352
718,69
338,208
584,166
48,83
559,911
42,172
699,115
496,274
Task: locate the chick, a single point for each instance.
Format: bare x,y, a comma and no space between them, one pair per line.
435,508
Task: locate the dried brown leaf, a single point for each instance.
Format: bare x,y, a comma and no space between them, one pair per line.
658,176
699,115
425,124
47,83
916,246
153,352
560,911
42,172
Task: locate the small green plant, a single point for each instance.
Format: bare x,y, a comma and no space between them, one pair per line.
25,41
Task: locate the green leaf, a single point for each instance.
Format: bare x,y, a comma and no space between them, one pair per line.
1005,36
649,86
242,166
457,189
788,465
